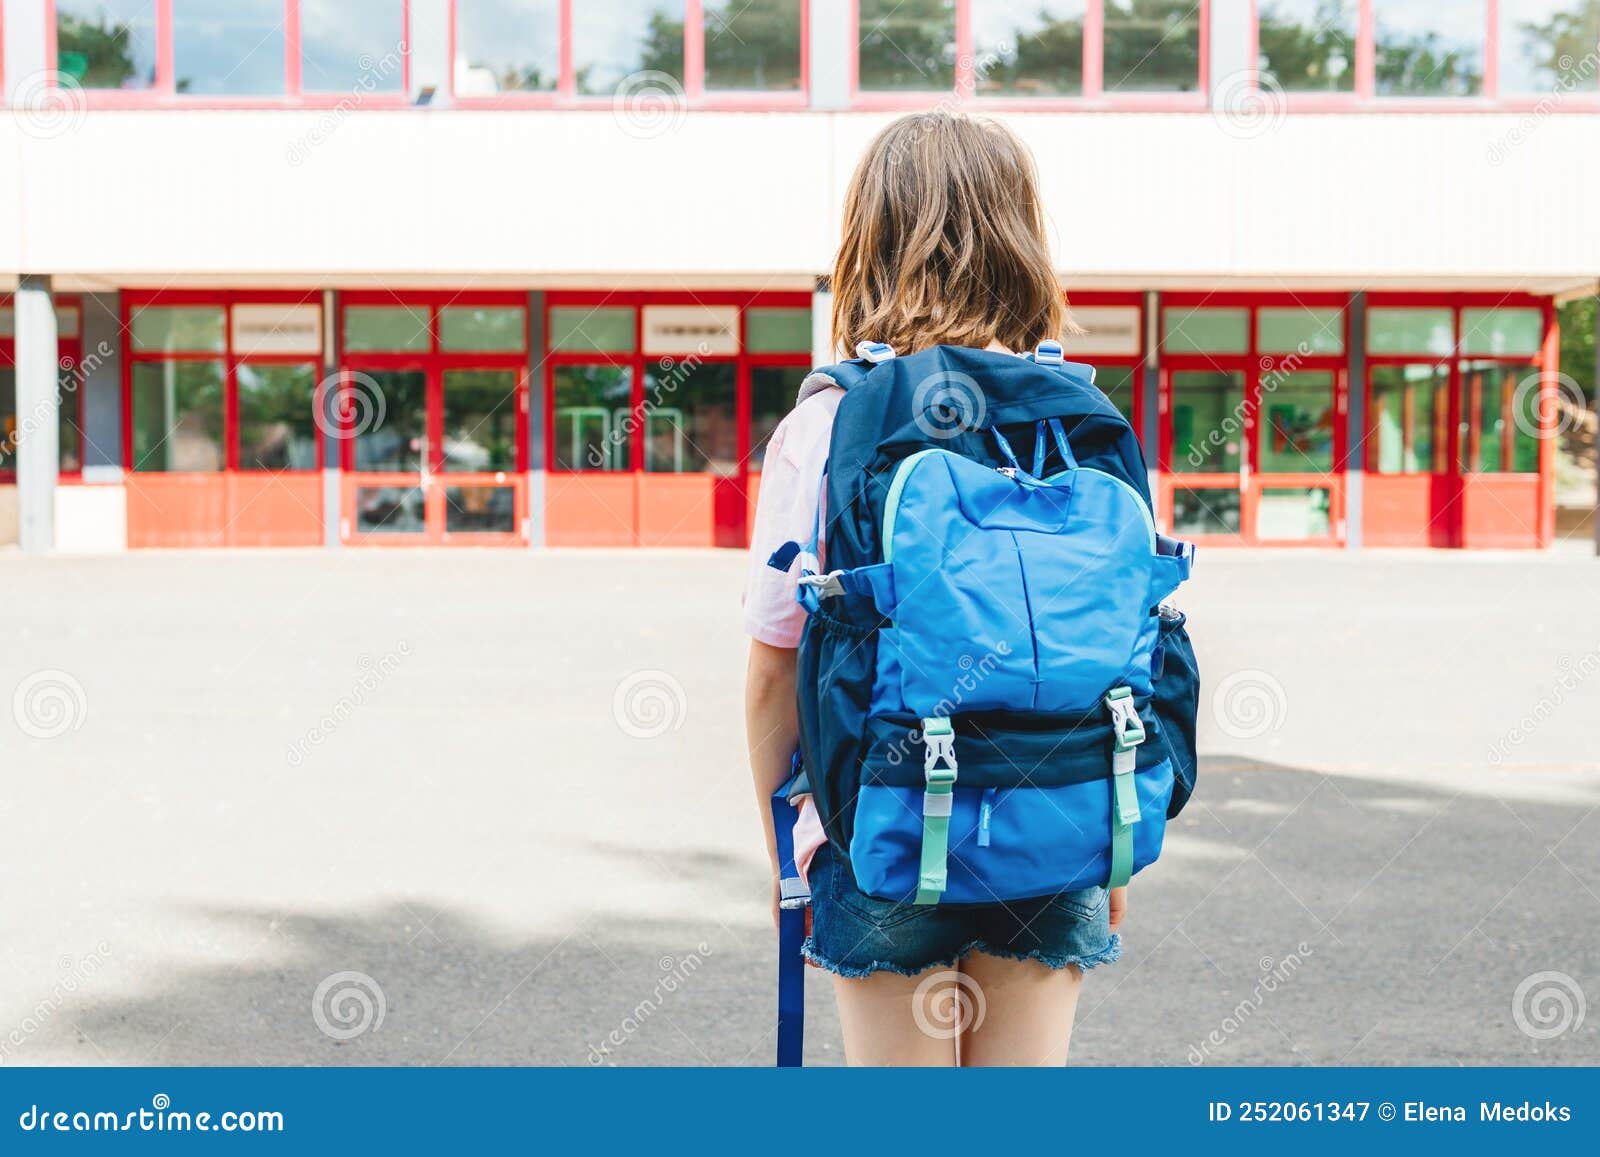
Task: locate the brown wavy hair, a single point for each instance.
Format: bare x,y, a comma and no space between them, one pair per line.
944,241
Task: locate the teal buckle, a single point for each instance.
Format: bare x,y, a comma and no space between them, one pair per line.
1127,728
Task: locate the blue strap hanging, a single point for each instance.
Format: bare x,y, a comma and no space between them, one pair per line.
792,898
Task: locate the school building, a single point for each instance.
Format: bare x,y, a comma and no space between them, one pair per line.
375,273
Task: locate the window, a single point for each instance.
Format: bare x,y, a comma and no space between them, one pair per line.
1028,48
690,419
8,418
1295,428
1548,46
1300,330
228,47
1207,421
583,329
234,50
1429,47
613,40
507,46
177,416
1225,331
388,328
773,390
352,46
1310,45
480,421
277,416
594,417
1499,418
753,45
107,44
906,45
500,329
185,361
1152,45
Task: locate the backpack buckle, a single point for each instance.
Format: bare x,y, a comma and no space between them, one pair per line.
939,739
1127,728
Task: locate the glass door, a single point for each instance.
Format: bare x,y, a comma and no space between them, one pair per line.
480,418
1208,426
384,414
1291,489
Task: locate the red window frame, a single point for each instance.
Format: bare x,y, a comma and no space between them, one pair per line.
69,356
1093,97
566,93
225,300
164,91
1253,365
1472,508
1365,97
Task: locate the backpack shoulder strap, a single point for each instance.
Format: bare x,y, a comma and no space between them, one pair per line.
845,374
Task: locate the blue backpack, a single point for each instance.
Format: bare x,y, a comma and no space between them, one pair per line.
994,702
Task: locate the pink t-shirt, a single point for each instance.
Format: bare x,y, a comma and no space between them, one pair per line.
786,511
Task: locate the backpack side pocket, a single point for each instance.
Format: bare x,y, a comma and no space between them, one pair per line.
1177,703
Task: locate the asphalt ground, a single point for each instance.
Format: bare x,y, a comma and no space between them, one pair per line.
491,808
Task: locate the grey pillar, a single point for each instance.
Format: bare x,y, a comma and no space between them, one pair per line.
822,351
536,436
832,49
99,382
1355,421
1149,417
332,443
38,414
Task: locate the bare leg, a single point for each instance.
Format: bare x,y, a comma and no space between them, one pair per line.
883,1025
1026,1011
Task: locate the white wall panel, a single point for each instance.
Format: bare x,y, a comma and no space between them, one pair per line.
453,195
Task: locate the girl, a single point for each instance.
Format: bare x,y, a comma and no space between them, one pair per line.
944,244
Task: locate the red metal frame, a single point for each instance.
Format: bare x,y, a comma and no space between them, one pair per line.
434,364
1364,97
225,300
1253,365
737,504
1468,508
164,92
566,94
1093,98
69,355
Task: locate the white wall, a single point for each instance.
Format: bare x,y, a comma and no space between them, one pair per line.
453,196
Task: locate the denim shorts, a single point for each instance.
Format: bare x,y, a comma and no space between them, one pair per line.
853,934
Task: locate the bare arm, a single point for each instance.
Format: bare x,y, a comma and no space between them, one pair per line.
772,728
